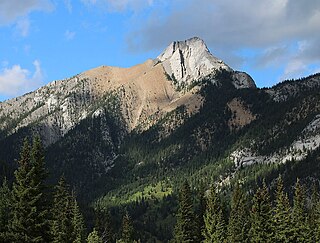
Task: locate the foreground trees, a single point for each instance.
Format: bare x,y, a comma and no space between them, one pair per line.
27,213
30,212
261,220
30,221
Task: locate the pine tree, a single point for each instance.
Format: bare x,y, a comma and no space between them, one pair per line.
41,193
67,223
238,221
77,222
30,218
104,227
186,226
282,227
93,237
261,216
201,211
127,229
61,228
214,230
5,215
299,215
314,216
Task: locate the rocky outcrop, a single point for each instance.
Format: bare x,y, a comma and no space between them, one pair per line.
142,94
242,80
189,60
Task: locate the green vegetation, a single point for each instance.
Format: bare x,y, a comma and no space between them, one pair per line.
114,174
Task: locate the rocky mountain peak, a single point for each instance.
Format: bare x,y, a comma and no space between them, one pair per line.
190,60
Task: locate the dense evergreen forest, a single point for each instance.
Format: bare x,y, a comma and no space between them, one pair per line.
32,210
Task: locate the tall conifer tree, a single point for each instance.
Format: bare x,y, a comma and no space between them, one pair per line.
299,215
61,228
30,218
186,226
127,229
282,227
261,216
5,215
214,230
238,226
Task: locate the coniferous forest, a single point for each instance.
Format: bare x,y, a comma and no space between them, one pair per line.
32,210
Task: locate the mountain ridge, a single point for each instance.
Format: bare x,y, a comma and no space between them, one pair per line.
115,131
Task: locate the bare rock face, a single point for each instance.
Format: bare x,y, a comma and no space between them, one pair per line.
242,80
142,93
190,60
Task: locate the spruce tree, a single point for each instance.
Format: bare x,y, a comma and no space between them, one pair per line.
201,211
299,215
314,216
30,218
282,227
5,215
127,229
104,226
261,216
186,226
77,223
94,237
67,223
214,230
238,221
61,228
41,193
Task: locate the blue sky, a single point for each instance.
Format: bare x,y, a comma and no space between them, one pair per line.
46,40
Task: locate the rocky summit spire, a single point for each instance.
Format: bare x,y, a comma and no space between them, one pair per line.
190,60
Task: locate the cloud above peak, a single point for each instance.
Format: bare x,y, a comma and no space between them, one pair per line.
16,80
230,26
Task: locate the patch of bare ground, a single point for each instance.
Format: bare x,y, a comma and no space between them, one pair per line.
144,90
241,114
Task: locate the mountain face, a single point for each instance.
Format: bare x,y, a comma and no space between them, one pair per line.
117,132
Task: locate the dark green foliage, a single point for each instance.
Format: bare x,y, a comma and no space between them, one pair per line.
186,229
127,232
67,221
314,215
201,211
261,216
94,237
61,227
215,227
239,225
30,217
5,216
104,226
299,215
282,225
77,223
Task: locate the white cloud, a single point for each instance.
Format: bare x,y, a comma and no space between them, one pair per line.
23,27
295,68
120,5
270,28
68,5
11,10
16,80
69,35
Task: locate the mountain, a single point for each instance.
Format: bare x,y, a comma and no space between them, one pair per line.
122,134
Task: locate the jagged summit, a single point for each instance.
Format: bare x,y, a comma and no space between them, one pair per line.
190,60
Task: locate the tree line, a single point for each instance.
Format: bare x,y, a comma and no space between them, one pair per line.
266,217
31,211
